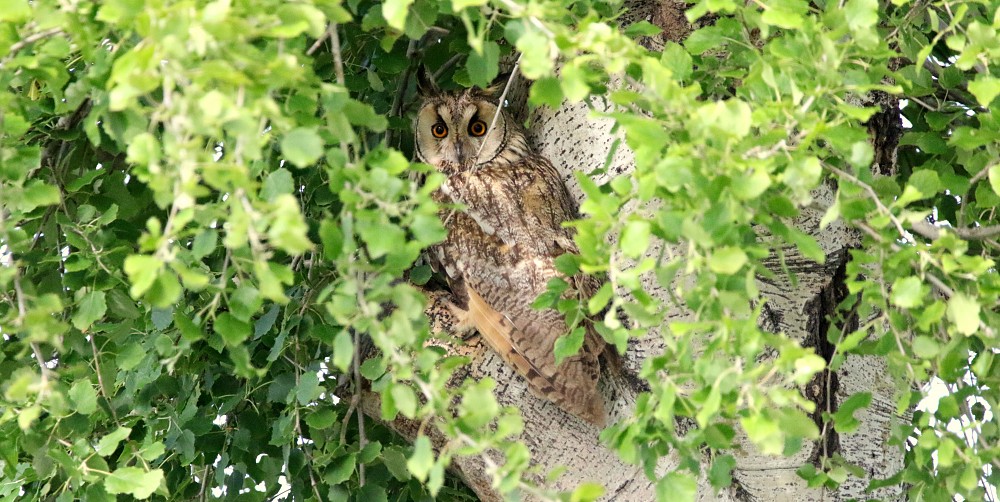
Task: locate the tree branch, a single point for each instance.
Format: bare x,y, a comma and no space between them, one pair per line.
933,232
30,39
503,96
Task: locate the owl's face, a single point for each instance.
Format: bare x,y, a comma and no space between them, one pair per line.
453,131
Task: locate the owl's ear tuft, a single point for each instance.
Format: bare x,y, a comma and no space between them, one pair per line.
497,85
426,86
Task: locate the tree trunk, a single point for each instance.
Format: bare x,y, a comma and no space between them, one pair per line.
573,140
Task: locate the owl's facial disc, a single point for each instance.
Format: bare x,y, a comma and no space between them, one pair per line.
454,134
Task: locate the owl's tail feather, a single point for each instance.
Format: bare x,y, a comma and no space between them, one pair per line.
577,396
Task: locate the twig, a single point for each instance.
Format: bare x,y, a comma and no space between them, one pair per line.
496,116
968,234
338,60
397,99
961,91
100,379
361,414
30,39
444,67
874,196
319,41
931,278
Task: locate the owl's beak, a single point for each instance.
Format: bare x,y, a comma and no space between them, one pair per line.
458,154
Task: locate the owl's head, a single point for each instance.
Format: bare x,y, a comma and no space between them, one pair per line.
452,130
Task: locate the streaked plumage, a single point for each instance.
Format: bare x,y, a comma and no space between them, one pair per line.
500,251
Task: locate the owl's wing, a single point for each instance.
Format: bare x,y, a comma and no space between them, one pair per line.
526,345
499,257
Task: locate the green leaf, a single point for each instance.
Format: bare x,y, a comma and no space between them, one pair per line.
308,388
788,14
37,194
302,146
144,149
479,407
587,492
908,292
405,400
861,14
458,5
288,230
994,175
635,238
205,243
676,487
14,11
165,291
568,345
395,462
373,493
536,60
91,308
84,397
926,347
422,460
373,368
322,418
109,443
677,60
844,421
277,183
483,68
383,239
963,312
394,12
245,302
720,474
926,182
133,481
420,275
546,91
985,88
343,350
642,28
232,330
727,260
142,271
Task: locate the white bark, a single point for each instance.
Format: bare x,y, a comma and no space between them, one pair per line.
575,141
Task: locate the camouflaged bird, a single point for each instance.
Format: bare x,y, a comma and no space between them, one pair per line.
501,248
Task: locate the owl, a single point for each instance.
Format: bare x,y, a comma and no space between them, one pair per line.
501,247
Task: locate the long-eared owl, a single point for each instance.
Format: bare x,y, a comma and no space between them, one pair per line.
501,248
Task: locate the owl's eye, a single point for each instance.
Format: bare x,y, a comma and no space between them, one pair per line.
477,128
439,130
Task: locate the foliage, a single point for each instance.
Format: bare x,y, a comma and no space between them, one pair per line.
206,211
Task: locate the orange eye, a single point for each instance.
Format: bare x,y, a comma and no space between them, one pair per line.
439,130
477,128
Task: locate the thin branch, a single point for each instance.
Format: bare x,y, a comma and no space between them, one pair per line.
338,60
361,415
100,379
931,278
933,232
874,196
397,99
30,39
961,91
503,96
444,67
319,42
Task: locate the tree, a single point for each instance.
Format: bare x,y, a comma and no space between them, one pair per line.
210,238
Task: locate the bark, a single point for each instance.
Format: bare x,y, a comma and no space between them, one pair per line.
573,140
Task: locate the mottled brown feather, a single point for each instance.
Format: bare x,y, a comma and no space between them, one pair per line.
500,251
